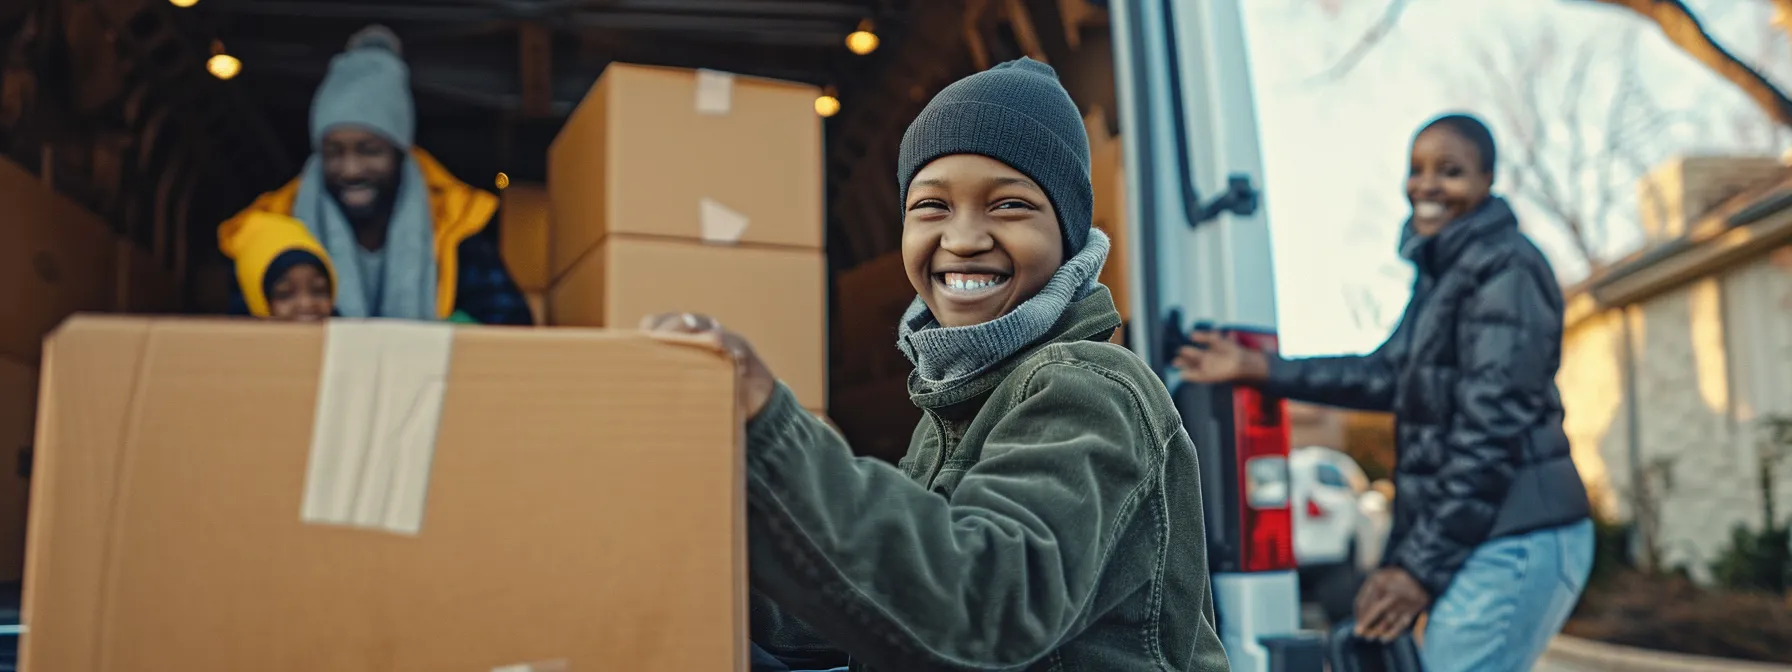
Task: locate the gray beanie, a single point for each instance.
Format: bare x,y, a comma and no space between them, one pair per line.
1019,114
368,85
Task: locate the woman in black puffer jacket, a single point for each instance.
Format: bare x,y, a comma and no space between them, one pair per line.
1491,526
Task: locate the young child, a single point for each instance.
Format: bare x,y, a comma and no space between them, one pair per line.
1048,513
299,287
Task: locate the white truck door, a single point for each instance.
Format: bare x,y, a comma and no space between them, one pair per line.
1193,167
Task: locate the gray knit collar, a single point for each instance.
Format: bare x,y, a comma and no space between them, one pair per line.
946,356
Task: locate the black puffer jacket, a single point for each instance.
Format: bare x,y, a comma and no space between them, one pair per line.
1470,377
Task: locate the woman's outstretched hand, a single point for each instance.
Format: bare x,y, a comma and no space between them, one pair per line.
756,382
1216,358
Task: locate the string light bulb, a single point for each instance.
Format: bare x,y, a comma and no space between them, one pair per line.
862,41
828,103
222,65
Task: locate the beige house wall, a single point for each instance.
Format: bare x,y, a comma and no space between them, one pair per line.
1598,418
1709,359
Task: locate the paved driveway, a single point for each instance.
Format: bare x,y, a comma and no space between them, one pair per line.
1547,664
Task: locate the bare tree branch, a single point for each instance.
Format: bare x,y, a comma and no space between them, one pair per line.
1390,17
1678,23
1574,144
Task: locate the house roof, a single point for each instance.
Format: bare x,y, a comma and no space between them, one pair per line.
1747,225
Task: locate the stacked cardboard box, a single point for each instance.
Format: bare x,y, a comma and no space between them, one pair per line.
382,496
523,230
680,190
59,259
873,297
870,375
1108,178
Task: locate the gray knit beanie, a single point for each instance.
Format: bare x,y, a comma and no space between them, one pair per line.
368,85
1019,114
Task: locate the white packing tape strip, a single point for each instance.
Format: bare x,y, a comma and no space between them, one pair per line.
379,403
544,666
715,92
718,223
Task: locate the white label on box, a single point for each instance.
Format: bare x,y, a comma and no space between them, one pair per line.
379,403
718,223
715,92
546,666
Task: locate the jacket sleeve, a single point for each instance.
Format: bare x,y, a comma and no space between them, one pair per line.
1504,339
995,578
1363,382
484,289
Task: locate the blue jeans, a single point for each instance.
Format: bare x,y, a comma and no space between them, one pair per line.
1508,601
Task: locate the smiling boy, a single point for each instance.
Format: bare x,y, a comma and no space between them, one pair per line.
1048,513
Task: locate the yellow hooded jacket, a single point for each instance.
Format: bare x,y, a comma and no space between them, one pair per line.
261,232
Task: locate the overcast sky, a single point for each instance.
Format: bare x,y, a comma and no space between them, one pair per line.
1335,150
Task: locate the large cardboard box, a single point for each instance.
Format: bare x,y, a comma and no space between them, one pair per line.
210,496
57,259
774,297
687,154
18,417
523,229
872,298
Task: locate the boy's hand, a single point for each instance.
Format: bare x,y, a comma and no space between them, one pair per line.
756,382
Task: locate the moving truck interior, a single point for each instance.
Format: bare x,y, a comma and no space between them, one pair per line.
132,128
111,105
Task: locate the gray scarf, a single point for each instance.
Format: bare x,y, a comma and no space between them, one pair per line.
945,356
408,288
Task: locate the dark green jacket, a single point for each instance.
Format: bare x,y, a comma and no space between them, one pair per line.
1047,517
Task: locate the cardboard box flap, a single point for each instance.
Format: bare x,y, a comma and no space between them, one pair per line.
583,505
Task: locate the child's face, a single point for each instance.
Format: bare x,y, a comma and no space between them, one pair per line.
978,239
303,294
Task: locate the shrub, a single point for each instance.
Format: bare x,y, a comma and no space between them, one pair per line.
1755,561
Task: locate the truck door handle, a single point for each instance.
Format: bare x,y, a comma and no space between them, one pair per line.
1240,199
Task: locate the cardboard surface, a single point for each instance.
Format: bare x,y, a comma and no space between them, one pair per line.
523,227
538,306
640,155
584,505
18,418
57,259
772,296
872,298
1107,176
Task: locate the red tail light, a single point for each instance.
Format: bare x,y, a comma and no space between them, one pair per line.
1267,520
1313,510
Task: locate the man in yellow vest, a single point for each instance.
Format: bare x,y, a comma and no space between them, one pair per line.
398,235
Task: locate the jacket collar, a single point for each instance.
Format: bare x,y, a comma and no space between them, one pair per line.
1436,253
1092,318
